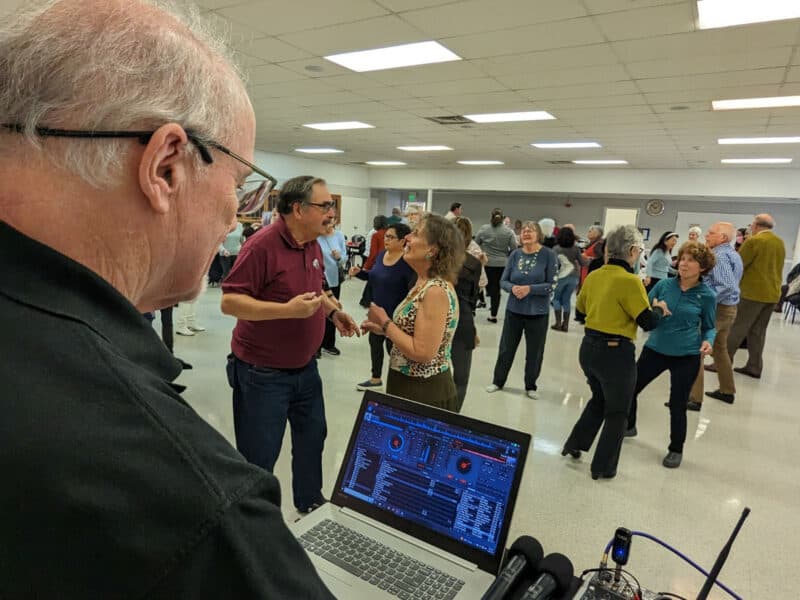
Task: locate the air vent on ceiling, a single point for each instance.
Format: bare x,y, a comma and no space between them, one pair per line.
450,120
560,162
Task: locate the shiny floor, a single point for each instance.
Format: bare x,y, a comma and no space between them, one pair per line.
736,456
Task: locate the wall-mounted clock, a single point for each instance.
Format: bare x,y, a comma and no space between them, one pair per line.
655,207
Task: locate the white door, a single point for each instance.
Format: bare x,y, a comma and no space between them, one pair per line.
614,217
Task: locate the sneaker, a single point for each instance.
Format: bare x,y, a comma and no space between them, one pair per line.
368,385
532,394
184,365
492,319
332,351
184,331
491,389
575,454
632,432
672,460
197,328
695,406
744,371
717,395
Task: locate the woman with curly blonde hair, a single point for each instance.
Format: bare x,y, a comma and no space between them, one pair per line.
679,344
422,327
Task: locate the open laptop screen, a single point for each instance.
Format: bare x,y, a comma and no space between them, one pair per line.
454,476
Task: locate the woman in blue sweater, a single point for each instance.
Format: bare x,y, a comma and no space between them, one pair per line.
659,263
529,278
680,342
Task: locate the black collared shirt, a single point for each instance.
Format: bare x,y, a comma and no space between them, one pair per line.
113,487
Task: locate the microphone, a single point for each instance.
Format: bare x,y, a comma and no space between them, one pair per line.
556,577
525,554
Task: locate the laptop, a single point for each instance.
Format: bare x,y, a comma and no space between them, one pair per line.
422,504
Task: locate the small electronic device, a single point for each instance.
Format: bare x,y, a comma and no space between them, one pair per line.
621,548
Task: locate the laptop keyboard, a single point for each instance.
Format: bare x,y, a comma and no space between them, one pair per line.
375,563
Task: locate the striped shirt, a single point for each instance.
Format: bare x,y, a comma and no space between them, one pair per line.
724,278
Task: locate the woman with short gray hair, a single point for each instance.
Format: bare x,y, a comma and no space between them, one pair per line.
592,251
613,302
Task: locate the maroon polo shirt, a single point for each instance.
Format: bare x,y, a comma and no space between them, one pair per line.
272,266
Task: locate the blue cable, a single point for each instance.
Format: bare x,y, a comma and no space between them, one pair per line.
681,555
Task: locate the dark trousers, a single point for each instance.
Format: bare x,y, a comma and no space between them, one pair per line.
376,343
166,327
652,284
227,263
263,400
329,339
610,369
493,274
682,373
535,329
752,320
461,354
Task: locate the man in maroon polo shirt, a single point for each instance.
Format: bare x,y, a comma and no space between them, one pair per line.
275,292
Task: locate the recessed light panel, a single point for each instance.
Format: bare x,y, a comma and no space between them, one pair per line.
534,115
600,162
565,145
393,57
741,103
480,163
727,13
385,163
318,150
760,140
424,148
755,161
339,126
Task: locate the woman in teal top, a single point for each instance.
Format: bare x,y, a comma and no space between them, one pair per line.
680,341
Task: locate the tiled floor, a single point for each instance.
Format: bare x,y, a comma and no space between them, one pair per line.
736,456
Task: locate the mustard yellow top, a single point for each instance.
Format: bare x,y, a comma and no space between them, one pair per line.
762,257
612,298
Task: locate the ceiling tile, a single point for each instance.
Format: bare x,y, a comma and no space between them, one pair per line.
603,6
361,35
435,73
712,80
558,77
615,88
544,60
276,17
472,17
268,75
647,22
575,32
462,86
761,59
272,50
404,5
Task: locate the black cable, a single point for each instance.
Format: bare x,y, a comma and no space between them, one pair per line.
670,595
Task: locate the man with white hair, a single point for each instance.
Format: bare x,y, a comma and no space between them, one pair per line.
131,130
724,279
763,255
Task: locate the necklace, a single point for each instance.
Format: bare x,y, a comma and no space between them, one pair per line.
527,262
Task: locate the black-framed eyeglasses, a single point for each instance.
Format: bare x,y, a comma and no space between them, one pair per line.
325,206
248,201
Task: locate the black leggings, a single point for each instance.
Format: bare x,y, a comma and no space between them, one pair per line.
494,274
329,339
683,371
376,343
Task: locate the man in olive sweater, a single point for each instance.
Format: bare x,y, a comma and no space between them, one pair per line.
762,255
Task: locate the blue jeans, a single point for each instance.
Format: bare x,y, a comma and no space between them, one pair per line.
563,293
263,400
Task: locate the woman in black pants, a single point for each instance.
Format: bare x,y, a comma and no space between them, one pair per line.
614,303
679,345
467,288
498,242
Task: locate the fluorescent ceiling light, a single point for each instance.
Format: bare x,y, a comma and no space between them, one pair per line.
318,150
600,162
756,161
393,57
559,145
423,148
726,13
479,163
385,163
760,140
774,102
535,115
339,125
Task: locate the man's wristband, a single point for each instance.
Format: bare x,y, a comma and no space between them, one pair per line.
330,315
385,325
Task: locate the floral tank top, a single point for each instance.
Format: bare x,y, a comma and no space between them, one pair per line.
404,317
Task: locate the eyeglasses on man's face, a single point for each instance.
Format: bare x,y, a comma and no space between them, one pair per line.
324,206
249,202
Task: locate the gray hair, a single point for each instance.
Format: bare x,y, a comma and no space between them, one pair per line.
765,221
620,241
297,190
597,228
116,64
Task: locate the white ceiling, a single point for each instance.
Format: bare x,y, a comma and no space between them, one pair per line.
612,71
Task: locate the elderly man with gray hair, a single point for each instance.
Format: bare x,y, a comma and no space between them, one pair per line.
724,279
130,128
763,256
613,303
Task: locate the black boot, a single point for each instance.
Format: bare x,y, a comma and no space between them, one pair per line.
557,326
565,322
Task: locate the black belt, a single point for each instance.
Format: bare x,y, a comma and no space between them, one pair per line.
612,339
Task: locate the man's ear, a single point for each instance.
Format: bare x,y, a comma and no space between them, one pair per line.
164,166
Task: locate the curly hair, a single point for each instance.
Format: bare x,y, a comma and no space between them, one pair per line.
447,261
701,254
465,227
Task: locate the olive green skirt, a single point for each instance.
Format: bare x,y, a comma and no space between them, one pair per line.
438,391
